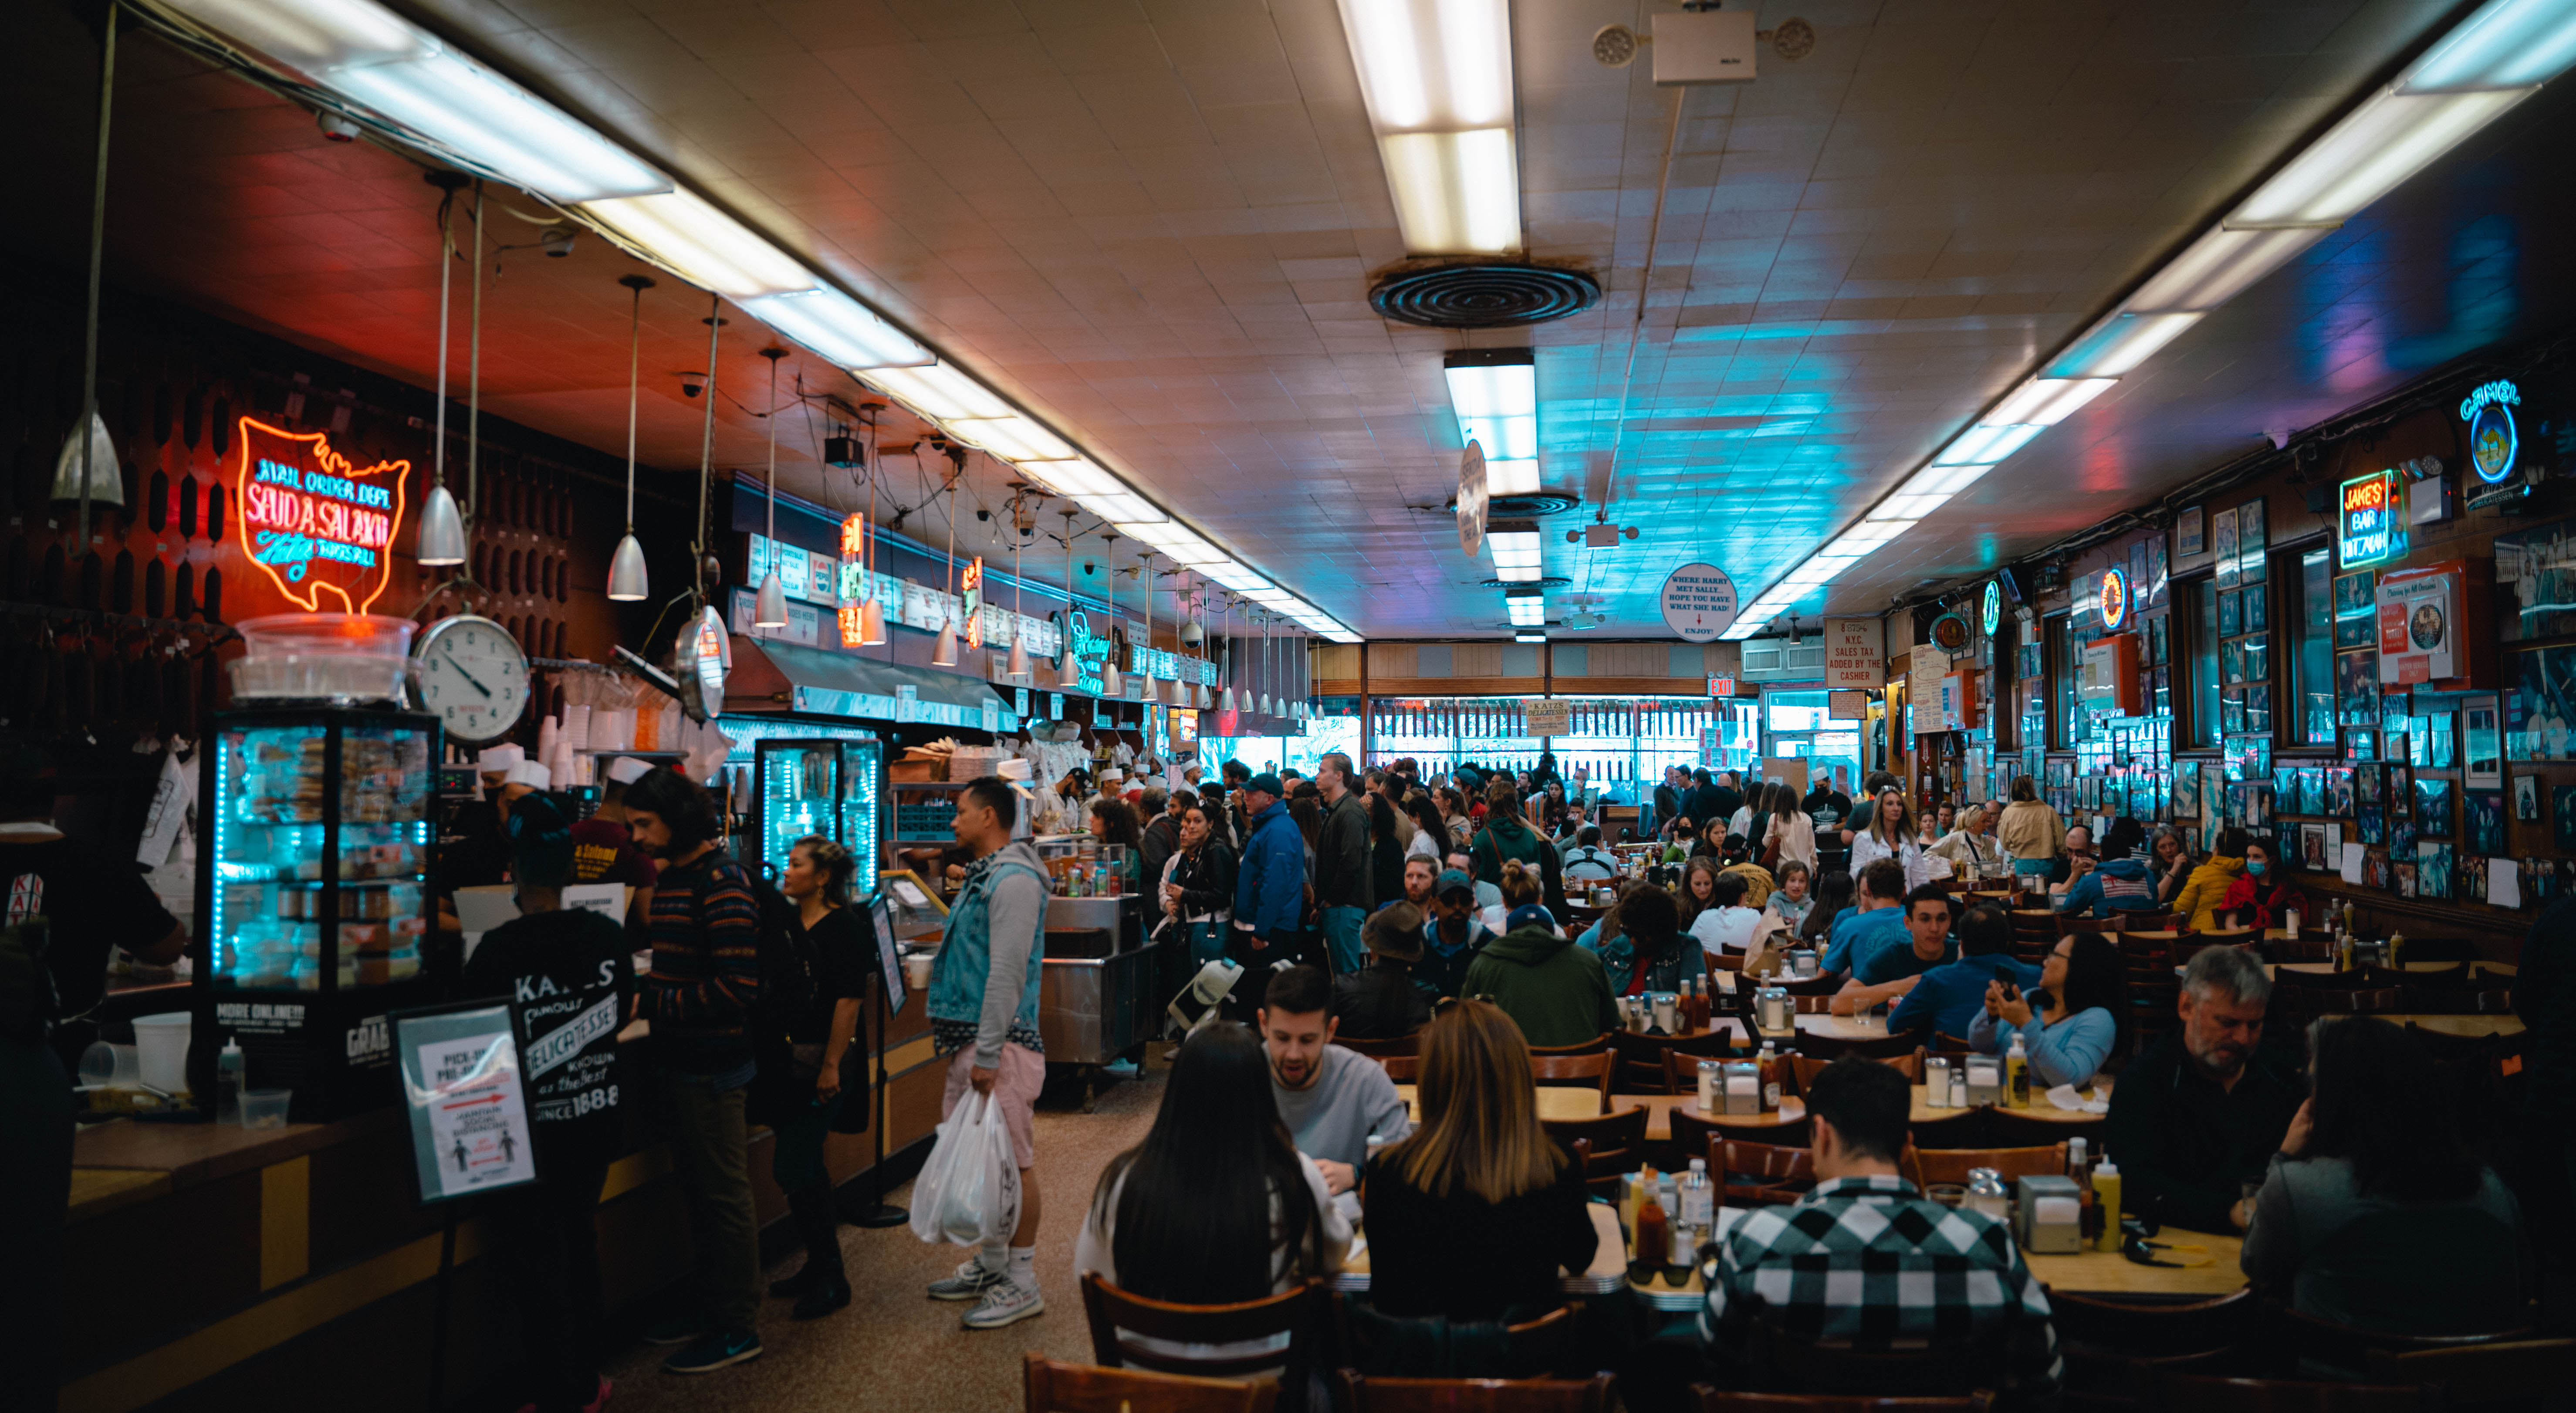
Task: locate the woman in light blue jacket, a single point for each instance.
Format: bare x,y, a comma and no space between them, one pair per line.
2071,1024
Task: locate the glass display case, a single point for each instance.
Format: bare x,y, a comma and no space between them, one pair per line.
819,786
315,908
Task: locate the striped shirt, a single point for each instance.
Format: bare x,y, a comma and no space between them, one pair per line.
1866,1263
706,965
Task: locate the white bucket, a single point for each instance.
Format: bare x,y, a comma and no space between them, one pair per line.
161,1044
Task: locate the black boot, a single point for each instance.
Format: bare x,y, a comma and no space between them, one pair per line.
822,1288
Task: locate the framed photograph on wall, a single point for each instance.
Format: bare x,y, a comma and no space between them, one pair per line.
2526,798
2222,547
2249,542
2481,744
2355,610
2231,613
2159,573
2562,816
2433,808
2483,826
2540,706
2357,689
2441,741
2258,614
2186,789
2189,539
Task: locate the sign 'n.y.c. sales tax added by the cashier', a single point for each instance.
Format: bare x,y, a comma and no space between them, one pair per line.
1855,653
319,526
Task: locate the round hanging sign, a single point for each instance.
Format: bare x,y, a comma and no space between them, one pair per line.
1950,633
1699,602
2493,441
1992,615
2113,596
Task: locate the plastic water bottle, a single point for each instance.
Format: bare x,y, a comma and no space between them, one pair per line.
230,1072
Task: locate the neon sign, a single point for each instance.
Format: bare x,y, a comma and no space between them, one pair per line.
2366,522
316,523
853,580
972,587
2113,598
1992,615
2493,441
1083,653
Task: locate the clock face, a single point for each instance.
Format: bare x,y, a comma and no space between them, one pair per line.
474,676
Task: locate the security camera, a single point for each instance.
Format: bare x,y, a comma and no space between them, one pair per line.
983,515
1086,566
336,127
691,385
556,242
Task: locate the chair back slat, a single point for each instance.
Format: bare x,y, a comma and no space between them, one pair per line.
1925,1166
1612,1144
1115,1314
2522,1371
1053,1386
1590,1071
1382,1049
1364,1394
1716,1400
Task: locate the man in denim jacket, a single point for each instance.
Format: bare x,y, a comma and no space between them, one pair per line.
984,1009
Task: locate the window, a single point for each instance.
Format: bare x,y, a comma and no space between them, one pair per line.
2065,660
2201,635
2312,683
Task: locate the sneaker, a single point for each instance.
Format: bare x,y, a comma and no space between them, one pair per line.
679,1329
1007,1302
713,1352
827,1294
970,1282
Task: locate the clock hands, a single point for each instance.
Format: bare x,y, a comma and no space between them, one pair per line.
469,677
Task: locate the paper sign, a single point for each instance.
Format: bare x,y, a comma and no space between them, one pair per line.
1846,706
1549,718
2504,883
1699,602
609,900
2352,857
1855,653
889,966
1927,662
467,1099
2418,628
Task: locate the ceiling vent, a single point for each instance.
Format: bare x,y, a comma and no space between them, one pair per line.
1483,296
1776,661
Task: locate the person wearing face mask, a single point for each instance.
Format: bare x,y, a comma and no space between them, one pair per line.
2200,1112
2261,897
2206,891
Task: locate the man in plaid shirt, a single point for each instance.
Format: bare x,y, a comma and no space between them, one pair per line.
1867,1263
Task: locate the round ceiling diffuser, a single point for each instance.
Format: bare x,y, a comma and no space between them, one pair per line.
1483,296
1552,581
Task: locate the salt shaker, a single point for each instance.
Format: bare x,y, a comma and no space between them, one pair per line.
1986,1194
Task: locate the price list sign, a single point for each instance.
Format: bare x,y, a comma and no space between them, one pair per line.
1855,653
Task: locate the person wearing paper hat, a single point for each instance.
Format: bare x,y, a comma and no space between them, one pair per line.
496,761
626,770
604,852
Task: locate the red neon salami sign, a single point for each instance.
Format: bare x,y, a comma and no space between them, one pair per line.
318,525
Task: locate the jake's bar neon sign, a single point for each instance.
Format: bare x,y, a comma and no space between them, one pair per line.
2366,527
317,524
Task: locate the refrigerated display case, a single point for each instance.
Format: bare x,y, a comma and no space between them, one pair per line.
820,786
315,910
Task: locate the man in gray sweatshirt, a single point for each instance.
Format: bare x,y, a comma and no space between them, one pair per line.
984,1009
1333,1100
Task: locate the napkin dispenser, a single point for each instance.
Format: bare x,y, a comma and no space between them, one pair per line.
2050,1219
1743,1081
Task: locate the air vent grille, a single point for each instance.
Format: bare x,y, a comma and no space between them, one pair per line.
1483,296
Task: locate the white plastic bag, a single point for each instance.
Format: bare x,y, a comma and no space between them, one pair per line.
969,1188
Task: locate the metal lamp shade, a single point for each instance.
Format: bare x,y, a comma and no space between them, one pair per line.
442,530
770,611
1018,671
871,624
1113,683
1226,702
1265,704
943,652
1204,701
1192,634
106,485
626,581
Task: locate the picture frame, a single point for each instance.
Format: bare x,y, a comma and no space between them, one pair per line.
2312,848
2441,741
2339,792
2483,822
2222,548
2190,533
2369,780
2526,798
2562,816
2540,706
2286,791
2473,878
2186,789
2258,615
2159,574
2356,623
2258,699
2405,873
2250,542
2434,867
2401,792
2372,825
2433,807
2357,689
2481,744
2231,612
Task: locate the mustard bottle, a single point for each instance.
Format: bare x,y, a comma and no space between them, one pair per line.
2017,1076
2106,1195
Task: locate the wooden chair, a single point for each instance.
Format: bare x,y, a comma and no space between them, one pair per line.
2522,1371
2457,1003
1696,1137
1963,1128
1403,1069
2192,1393
1643,1060
1819,1004
2015,1128
1116,1316
1908,1064
2442,1045
2344,1347
1576,1072
1363,1394
1950,1047
1827,1047
1751,1174
1951,1371
1615,1144
1053,1386
2068,924
1715,1400
2114,1354
2324,1001
1593,1046
2305,949
1923,1167
1382,1049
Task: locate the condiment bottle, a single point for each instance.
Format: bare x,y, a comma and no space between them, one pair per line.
1769,1062
2106,1197
2017,1075
229,1074
1699,1198
1936,1084
1654,1235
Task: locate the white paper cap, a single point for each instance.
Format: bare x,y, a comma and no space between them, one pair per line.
1014,770
626,770
528,772
495,760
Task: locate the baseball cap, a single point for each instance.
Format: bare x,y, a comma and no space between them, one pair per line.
1529,915
1266,783
1453,881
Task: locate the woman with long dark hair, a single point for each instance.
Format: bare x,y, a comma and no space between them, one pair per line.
1889,834
2071,1023
1833,895
1216,1206
2375,1212
1472,1215
1197,887
1787,834
1113,821
1430,832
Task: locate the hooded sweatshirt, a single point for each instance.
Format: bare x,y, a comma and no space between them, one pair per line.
2201,897
1505,837
2123,885
1554,990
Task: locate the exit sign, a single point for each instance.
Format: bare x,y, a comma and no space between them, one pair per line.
2367,525
1721,686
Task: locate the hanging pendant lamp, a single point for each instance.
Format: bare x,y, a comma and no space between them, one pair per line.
626,582
943,650
1018,669
1112,683
1225,699
441,540
872,629
770,610
1265,667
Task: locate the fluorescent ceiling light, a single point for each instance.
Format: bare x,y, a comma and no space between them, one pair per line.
1528,611
1076,477
2219,266
2506,44
2389,138
1237,578
836,327
1013,438
1529,637
1122,508
1456,193
1945,480
489,121
1511,478
1983,445
709,248
2045,402
1497,407
312,35
1271,598
1517,573
1907,506
1869,534
941,393
1343,635
2119,344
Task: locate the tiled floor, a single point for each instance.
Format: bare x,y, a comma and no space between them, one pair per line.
894,1350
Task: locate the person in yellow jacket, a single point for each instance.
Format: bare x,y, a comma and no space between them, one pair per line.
2200,897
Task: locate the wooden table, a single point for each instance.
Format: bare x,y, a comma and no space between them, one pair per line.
1608,1271
1555,1101
1793,1109
2327,968
2110,1273
2458,1025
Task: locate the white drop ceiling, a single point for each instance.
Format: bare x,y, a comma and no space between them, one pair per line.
1156,224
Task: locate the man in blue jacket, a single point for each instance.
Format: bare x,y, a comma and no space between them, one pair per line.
2123,885
1270,886
1949,998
